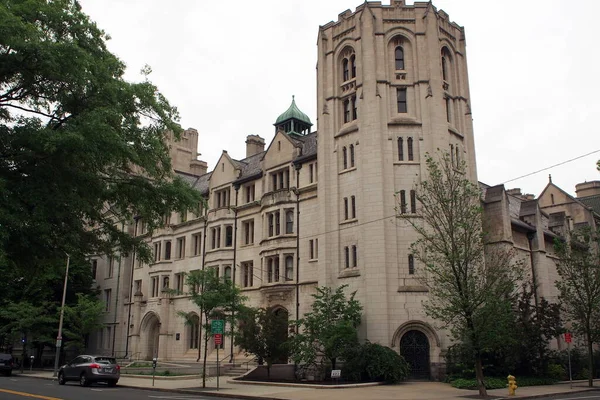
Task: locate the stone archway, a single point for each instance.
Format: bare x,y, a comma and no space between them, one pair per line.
414,347
150,334
282,331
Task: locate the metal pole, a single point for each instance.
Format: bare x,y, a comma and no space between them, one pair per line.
570,375
60,322
137,219
218,366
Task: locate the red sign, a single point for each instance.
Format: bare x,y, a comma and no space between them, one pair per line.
568,337
218,338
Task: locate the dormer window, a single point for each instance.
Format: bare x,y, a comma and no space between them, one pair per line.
399,54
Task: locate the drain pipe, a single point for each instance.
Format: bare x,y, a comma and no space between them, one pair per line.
235,227
137,219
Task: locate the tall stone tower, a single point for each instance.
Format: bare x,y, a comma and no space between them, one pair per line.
392,85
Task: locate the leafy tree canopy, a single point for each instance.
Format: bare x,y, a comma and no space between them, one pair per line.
471,287
80,147
329,329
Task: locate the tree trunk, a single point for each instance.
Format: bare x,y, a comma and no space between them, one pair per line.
590,361
333,363
479,376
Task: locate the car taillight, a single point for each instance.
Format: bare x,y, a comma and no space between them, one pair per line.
95,366
118,367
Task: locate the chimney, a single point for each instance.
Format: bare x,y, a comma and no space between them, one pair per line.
587,189
198,167
254,145
514,192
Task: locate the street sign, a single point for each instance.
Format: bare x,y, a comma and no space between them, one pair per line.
218,338
217,326
568,337
336,373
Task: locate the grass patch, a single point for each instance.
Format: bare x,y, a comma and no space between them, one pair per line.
501,383
138,364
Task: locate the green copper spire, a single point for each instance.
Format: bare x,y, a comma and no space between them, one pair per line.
293,112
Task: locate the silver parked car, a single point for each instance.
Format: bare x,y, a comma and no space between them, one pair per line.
90,369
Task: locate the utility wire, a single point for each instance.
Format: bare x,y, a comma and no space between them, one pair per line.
552,166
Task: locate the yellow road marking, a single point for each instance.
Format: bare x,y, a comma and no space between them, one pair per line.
37,396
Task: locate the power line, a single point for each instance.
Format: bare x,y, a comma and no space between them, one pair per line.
552,166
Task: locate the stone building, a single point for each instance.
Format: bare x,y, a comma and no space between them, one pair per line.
314,208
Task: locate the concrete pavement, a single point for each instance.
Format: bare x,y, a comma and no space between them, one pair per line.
402,391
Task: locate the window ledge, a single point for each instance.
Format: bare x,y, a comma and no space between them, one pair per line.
247,244
348,127
349,221
313,260
413,289
406,163
161,262
455,132
349,272
345,171
404,121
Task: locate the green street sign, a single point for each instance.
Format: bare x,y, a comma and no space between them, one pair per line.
217,326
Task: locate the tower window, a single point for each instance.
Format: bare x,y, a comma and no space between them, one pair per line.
345,157
411,264
345,208
354,108
354,256
346,257
448,110
409,144
289,268
413,202
401,100
346,110
353,66
402,202
399,53
400,149
351,155
345,71
444,68
353,208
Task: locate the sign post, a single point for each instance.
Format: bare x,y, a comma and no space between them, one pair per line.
217,326
569,339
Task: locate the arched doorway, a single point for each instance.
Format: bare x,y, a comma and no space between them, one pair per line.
151,331
280,330
414,347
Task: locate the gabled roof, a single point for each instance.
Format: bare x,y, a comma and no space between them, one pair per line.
573,199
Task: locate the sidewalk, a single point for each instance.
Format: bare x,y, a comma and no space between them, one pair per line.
402,391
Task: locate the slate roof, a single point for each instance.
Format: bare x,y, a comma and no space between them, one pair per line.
591,201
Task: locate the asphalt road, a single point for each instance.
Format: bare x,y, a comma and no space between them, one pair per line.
20,388
591,395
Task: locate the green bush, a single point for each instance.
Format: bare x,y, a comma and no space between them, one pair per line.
500,383
557,371
374,362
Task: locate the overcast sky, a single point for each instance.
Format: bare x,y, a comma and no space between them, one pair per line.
231,67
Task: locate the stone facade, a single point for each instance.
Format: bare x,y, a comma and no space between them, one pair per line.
392,86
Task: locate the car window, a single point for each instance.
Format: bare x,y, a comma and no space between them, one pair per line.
105,360
77,360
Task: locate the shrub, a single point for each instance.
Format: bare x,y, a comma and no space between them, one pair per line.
500,383
374,362
557,371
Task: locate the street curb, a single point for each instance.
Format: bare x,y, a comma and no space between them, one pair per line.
305,385
180,391
539,396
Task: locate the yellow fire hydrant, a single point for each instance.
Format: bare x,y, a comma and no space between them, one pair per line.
512,385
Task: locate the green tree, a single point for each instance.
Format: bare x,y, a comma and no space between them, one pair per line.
80,320
579,287
471,286
328,330
216,297
263,333
80,147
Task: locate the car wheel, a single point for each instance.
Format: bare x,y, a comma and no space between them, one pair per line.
61,378
112,383
8,373
83,380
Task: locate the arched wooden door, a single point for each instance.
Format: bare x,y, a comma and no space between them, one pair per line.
414,347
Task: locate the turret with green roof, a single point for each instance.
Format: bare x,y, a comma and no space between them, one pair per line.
293,121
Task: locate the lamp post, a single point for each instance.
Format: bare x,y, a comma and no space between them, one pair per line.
60,322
